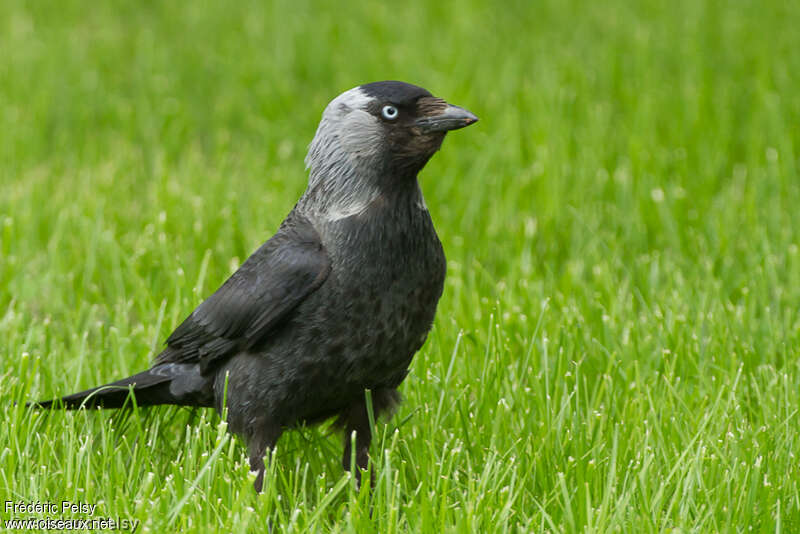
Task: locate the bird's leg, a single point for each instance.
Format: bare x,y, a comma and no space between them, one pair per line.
356,419
262,436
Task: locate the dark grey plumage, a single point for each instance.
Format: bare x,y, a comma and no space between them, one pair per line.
336,302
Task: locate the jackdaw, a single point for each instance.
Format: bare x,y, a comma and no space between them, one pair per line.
335,303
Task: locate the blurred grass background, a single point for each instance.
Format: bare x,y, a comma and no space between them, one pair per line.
617,345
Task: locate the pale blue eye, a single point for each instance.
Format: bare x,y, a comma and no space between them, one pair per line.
389,112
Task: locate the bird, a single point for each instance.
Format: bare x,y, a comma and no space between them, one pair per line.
335,304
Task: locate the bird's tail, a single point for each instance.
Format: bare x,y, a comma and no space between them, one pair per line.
148,388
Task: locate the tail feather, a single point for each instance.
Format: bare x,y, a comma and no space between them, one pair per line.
163,384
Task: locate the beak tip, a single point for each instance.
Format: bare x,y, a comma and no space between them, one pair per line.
468,117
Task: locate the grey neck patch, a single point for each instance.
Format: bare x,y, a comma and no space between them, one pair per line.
343,159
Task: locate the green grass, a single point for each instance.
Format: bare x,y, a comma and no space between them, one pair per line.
617,345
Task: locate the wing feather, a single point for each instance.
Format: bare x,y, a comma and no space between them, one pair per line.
254,300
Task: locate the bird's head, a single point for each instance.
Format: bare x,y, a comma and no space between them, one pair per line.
381,131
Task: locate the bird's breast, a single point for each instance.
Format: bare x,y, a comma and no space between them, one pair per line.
387,276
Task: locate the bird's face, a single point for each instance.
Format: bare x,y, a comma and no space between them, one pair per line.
393,127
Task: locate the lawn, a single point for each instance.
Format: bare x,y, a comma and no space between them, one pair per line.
617,348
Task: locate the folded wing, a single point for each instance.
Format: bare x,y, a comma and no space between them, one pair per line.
254,300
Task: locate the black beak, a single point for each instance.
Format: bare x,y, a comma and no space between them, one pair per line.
452,118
